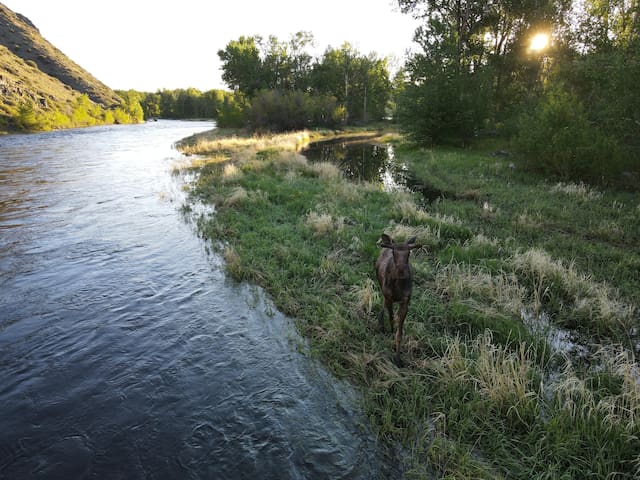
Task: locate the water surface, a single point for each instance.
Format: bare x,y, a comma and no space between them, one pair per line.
363,161
124,350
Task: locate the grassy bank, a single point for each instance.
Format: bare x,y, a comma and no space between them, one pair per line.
519,343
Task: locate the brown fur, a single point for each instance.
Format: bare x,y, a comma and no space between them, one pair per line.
396,281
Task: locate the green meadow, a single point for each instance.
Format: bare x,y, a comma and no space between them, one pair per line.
520,342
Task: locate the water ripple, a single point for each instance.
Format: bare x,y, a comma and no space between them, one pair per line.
124,351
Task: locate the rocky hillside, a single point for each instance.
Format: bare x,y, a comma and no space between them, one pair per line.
35,74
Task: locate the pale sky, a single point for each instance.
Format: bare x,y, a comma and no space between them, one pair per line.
151,45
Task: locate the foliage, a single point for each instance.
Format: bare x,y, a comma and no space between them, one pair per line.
242,65
26,117
606,83
466,75
442,108
131,105
82,113
482,50
360,84
274,111
182,103
232,112
252,64
557,138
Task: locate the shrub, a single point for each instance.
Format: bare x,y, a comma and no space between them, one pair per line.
276,111
443,108
26,117
231,113
120,116
558,139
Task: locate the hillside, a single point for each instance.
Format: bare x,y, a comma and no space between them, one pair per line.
38,79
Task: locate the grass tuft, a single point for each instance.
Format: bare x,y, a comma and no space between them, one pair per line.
579,190
323,223
237,196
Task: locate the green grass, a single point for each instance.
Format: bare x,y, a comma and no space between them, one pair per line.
480,396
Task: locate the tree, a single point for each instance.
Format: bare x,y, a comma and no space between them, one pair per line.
242,65
360,83
470,49
26,116
253,66
334,74
252,63
605,24
558,139
131,105
151,105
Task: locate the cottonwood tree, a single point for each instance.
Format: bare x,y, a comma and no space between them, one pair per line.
472,63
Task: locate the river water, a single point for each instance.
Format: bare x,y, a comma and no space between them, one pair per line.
125,352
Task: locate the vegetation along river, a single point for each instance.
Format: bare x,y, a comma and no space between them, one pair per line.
125,352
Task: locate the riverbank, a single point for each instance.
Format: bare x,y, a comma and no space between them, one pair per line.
519,346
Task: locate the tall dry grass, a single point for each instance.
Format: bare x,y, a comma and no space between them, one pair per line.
210,143
323,223
557,283
579,190
463,281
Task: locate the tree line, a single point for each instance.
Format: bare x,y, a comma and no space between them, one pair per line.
570,106
278,85
180,103
556,79
82,112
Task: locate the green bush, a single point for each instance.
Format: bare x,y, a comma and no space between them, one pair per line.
231,113
120,116
276,111
26,117
443,109
558,139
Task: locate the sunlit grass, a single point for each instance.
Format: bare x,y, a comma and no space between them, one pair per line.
367,297
216,141
237,195
560,288
323,223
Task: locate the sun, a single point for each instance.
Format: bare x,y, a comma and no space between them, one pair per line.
539,42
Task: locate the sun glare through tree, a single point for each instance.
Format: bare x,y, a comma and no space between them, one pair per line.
539,42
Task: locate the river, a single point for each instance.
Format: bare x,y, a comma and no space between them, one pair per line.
125,352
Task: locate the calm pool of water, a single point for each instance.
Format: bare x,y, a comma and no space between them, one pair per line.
370,162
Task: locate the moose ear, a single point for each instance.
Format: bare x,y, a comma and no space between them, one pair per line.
385,241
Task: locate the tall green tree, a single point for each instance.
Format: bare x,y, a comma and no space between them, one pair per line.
250,64
473,63
254,66
242,66
361,83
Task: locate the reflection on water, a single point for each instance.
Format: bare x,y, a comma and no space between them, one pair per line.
370,162
124,350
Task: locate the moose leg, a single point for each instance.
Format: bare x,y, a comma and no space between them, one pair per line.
402,313
388,305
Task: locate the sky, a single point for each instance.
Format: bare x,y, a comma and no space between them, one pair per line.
151,45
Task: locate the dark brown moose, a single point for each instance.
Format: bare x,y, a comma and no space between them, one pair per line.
396,280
